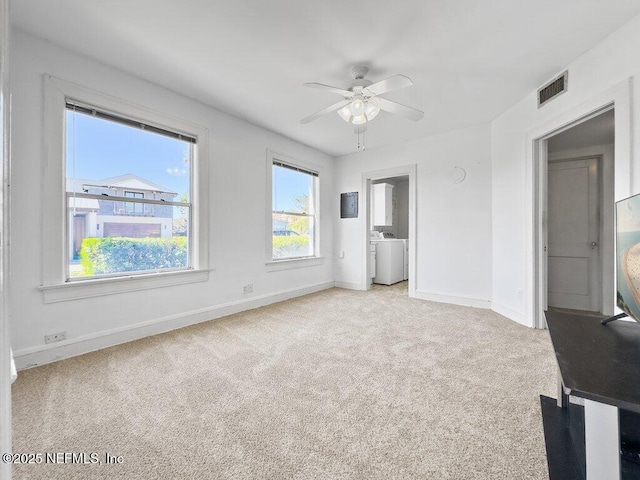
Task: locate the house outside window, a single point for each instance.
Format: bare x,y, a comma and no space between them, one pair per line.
128,191
294,211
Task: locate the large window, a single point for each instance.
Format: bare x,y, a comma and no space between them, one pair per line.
128,188
294,220
99,239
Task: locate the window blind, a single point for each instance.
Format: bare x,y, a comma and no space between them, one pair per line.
76,107
297,169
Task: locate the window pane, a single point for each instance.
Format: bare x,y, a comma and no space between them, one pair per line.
107,237
292,191
104,156
293,236
104,240
136,208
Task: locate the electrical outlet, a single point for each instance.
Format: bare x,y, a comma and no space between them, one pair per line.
519,295
56,337
248,288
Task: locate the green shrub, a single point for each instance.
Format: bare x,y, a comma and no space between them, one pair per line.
119,254
285,246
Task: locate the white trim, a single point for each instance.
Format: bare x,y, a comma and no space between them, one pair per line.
303,165
290,263
349,285
509,312
619,97
109,286
54,206
367,177
42,354
5,336
453,299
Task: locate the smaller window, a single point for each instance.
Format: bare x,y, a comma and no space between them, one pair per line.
294,207
131,207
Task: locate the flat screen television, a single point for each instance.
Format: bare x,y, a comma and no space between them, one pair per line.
628,258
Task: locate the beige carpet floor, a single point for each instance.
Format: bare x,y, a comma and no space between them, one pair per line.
334,385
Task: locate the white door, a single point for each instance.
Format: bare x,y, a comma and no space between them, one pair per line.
573,255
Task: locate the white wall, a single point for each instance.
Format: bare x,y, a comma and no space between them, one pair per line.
453,254
599,71
237,185
473,238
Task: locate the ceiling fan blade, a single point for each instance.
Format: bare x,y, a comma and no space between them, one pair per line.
384,86
332,108
329,88
399,109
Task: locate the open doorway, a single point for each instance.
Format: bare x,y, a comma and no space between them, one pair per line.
388,235
579,216
389,243
618,99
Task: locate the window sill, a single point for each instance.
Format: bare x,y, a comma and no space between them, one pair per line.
277,265
108,286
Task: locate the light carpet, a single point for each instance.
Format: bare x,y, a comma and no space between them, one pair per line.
335,385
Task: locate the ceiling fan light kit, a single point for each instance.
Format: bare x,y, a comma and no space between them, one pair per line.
361,103
359,111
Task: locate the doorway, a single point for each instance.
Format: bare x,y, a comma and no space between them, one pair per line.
389,220
579,247
399,185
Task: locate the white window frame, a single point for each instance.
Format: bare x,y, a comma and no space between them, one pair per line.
288,263
54,284
129,194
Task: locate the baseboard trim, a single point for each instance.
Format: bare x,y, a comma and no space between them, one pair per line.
43,354
348,285
455,300
509,313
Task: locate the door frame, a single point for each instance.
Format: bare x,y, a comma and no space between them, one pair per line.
367,178
617,98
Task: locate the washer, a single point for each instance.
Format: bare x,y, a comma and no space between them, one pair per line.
389,260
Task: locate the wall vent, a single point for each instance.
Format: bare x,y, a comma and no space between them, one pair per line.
551,90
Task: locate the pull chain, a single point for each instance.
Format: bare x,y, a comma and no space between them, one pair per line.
360,144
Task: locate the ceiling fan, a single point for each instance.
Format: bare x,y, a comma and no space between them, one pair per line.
362,101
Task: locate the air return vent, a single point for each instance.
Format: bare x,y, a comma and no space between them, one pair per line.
552,89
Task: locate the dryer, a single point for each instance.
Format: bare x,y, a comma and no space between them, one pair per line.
389,261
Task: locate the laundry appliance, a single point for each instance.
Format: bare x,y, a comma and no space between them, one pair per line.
389,258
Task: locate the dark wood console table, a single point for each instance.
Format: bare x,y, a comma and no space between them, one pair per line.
601,364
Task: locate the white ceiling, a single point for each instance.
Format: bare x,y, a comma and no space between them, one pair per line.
596,131
470,60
